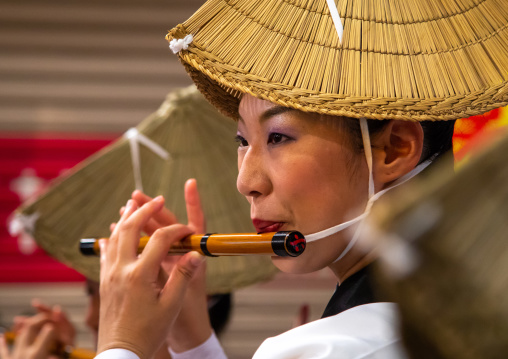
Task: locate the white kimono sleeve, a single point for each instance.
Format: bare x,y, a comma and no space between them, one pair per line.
116,354
368,331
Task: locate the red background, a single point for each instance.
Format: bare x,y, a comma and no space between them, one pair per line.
48,154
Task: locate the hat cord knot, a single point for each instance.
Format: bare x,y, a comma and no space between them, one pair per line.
176,45
23,226
135,138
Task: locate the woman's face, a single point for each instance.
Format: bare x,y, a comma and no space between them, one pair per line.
298,173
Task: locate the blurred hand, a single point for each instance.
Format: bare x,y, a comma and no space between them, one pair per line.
65,331
36,337
137,308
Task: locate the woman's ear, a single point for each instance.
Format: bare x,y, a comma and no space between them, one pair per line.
396,151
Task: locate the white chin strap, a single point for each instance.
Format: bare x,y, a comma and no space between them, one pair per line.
368,155
372,196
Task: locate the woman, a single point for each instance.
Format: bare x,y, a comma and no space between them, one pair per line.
302,79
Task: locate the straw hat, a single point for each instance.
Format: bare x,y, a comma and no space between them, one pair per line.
398,59
444,258
185,138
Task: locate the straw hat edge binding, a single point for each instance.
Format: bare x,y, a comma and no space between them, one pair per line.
356,107
224,79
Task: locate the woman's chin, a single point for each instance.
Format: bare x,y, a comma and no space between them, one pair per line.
297,265
315,257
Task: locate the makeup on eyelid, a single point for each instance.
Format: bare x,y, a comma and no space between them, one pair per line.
302,184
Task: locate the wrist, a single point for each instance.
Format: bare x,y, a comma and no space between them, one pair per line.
184,340
192,326
209,349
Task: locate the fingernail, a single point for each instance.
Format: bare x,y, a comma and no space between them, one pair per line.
159,199
196,259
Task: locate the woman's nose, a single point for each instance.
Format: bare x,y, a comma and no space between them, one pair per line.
253,178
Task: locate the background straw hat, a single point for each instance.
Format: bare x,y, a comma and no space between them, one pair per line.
201,145
444,258
398,59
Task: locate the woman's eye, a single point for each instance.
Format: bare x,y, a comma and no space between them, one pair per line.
276,138
242,142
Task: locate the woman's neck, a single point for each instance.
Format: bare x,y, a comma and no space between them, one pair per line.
351,263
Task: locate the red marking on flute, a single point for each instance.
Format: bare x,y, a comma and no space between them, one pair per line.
295,243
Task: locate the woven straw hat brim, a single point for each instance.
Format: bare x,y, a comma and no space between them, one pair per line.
201,144
413,60
444,257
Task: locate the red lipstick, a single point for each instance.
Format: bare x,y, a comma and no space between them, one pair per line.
266,226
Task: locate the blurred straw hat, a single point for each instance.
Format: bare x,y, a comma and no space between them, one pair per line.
199,143
444,258
398,59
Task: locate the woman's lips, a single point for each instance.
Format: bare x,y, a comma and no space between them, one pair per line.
266,226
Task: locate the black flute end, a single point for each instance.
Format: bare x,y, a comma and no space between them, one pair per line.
288,243
86,246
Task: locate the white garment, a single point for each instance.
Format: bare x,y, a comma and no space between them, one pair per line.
117,354
210,349
368,331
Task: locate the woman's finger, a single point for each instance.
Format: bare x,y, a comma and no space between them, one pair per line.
181,275
4,350
44,340
158,246
130,230
153,225
193,205
164,218
19,322
103,245
131,207
37,304
31,329
65,330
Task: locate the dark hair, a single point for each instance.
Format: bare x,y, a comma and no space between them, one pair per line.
437,138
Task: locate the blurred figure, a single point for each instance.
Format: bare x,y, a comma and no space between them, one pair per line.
39,335
47,331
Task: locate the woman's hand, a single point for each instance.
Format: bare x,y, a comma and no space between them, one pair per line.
137,310
164,217
192,327
36,337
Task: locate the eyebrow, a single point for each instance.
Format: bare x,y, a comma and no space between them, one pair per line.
272,111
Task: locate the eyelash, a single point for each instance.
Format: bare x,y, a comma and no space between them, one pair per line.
274,138
242,142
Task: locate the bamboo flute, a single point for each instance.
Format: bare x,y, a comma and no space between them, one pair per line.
283,244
